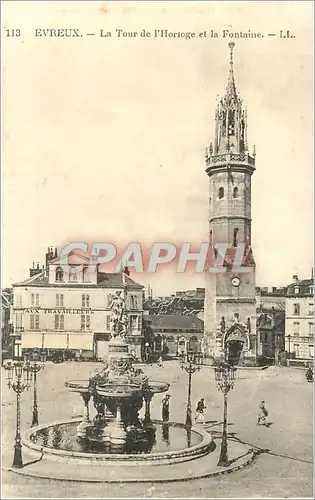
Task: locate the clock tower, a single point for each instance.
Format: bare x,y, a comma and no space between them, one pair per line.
230,305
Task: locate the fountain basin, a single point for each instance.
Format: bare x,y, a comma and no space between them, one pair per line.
200,442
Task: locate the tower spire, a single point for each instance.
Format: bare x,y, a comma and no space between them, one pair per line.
231,87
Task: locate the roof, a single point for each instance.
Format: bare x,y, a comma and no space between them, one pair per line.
104,280
174,321
304,287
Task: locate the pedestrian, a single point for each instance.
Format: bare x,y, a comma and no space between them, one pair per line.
263,413
200,418
160,362
166,408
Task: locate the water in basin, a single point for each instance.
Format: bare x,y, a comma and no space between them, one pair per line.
166,438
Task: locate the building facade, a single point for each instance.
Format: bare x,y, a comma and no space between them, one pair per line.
176,333
299,319
70,310
230,304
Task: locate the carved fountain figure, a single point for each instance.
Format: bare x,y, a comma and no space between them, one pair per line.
118,391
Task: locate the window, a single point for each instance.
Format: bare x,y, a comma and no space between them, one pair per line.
296,328
296,349
134,322
134,301
59,274
235,237
235,192
18,320
296,309
311,351
85,300
211,237
296,289
311,309
221,193
59,322
107,319
34,299
312,289
59,300
18,300
85,322
34,322
311,329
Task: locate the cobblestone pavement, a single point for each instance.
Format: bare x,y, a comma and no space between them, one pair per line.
283,469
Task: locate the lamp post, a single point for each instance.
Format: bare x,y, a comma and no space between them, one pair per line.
190,363
18,379
225,379
33,369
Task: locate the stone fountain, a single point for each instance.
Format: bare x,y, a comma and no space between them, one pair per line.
118,391
116,435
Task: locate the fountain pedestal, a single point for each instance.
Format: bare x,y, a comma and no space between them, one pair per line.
86,422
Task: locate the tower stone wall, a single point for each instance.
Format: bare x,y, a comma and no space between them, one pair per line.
230,305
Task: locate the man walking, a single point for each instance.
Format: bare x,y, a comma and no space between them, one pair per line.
262,414
200,418
166,408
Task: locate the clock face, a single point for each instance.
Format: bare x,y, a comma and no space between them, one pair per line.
235,281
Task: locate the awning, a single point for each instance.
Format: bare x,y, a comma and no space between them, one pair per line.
31,340
81,341
55,341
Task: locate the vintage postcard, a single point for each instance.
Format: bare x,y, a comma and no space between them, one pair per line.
157,286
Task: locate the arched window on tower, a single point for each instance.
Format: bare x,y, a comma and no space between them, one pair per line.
211,238
235,192
59,274
221,193
235,237
231,123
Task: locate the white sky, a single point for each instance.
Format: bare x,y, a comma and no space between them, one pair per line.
88,122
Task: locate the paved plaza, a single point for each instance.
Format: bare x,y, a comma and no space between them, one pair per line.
283,468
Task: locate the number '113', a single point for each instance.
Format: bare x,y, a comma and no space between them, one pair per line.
11,33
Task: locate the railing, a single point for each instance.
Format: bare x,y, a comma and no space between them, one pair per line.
231,158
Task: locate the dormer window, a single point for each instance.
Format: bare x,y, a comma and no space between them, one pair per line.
73,274
296,289
312,289
85,275
59,274
221,193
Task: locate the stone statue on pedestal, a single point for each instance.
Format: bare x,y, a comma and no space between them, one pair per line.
119,317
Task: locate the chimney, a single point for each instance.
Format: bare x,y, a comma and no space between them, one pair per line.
312,273
295,277
56,253
34,270
126,271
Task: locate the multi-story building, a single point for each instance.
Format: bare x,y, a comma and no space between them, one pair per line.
299,319
70,310
230,303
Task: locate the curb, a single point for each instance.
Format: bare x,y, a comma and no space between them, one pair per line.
132,480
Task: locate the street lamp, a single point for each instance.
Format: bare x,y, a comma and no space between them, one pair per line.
18,379
34,369
225,379
190,363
